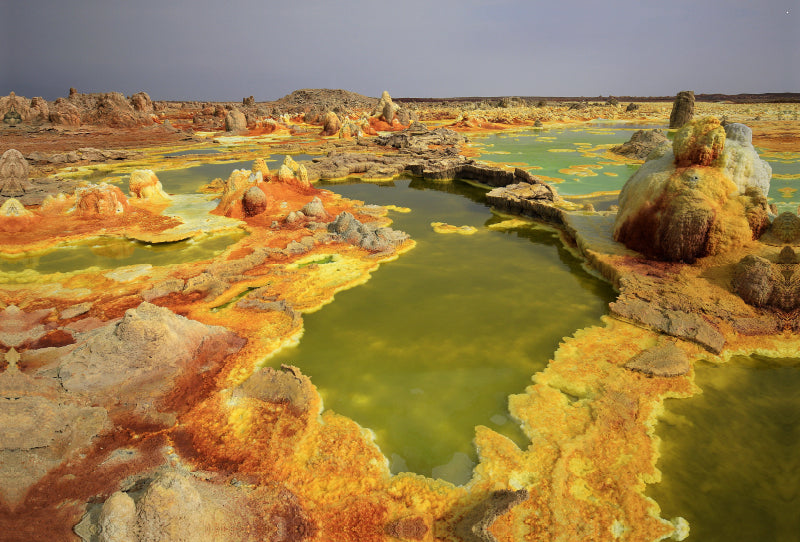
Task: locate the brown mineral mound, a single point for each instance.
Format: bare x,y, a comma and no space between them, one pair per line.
111,109
324,99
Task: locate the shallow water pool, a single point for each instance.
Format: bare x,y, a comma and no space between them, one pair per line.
573,159
435,342
729,456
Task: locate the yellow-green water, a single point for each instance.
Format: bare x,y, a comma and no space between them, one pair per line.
573,159
729,456
435,342
109,253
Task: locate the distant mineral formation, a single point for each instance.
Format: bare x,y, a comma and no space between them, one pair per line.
682,109
641,144
13,174
705,196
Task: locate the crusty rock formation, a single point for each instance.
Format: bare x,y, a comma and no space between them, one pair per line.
112,109
641,144
761,283
144,184
331,124
13,208
140,355
315,209
254,201
475,525
42,427
65,113
175,506
287,386
529,197
682,109
100,200
664,360
14,171
376,239
235,121
784,230
292,172
741,161
386,108
142,103
684,204
699,144
418,137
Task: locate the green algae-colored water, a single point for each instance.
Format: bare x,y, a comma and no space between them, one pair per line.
729,456
573,159
435,342
785,179
110,253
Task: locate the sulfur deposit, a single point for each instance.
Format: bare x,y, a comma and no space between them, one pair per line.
703,197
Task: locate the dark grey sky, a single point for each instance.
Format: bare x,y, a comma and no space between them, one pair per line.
228,49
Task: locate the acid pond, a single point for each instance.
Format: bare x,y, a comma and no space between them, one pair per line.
576,161
572,158
729,458
435,342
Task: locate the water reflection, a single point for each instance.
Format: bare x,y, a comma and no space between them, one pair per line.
729,455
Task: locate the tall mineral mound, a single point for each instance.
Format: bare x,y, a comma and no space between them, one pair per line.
682,109
704,196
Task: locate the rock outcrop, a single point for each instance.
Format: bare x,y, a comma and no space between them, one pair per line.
112,109
144,184
534,199
140,355
65,113
682,109
235,121
15,109
641,144
684,204
254,201
741,161
418,137
14,171
665,360
331,124
761,283
40,109
386,108
176,506
142,103
100,200
784,230
367,236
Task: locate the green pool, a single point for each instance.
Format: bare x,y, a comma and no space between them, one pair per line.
435,342
573,159
729,456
